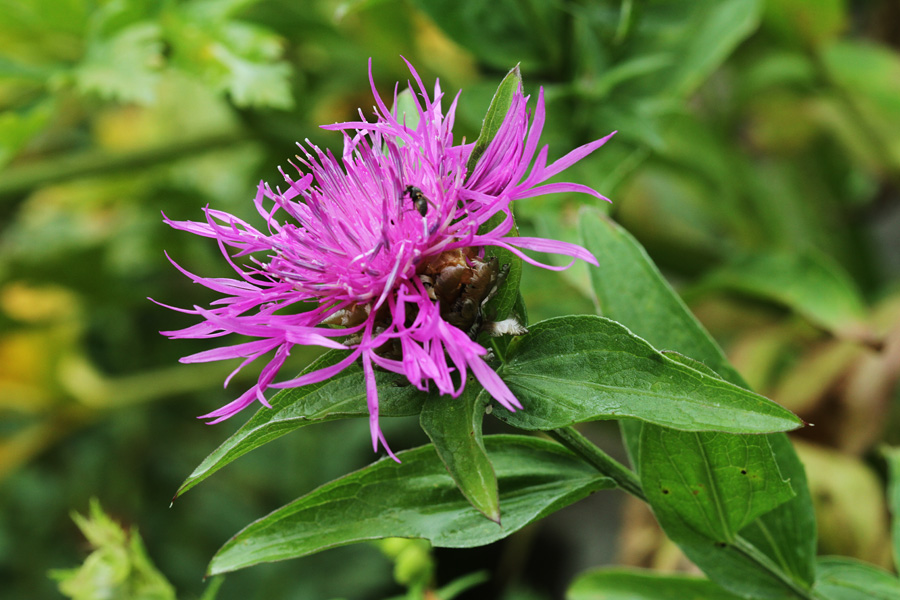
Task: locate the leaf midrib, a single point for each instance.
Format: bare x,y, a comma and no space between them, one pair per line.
633,392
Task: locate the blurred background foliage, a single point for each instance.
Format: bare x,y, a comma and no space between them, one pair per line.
757,159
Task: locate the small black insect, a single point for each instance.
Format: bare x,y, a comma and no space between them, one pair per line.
418,199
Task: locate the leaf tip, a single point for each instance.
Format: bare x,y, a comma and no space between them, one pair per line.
182,489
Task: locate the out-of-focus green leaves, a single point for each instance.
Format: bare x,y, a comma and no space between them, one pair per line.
236,57
18,127
414,568
416,498
128,46
845,579
850,505
620,584
807,22
118,567
414,565
502,33
462,584
666,49
717,28
123,67
807,283
43,29
670,208
893,459
868,77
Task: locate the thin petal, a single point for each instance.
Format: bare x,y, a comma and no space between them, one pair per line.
552,247
372,402
574,156
495,386
319,375
227,352
232,408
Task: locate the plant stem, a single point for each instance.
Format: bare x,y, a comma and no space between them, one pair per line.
628,481
21,180
583,447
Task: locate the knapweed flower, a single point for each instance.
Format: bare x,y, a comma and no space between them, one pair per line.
381,251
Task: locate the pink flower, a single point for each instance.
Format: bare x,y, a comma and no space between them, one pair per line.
379,252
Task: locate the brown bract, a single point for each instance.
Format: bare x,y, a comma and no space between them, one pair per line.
463,284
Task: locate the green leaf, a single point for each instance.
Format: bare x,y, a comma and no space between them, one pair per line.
416,498
714,496
15,70
507,295
893,460
716,31
230,55
809,284
689,362
718,495
728,481
787,534
636,584
847,579
869,75
630,289
17,128
118,566
255,83
500,104
124,67
504,31
574,369
628,69
697,36
38,18
807,23
454,427
739,567
339,397
405,110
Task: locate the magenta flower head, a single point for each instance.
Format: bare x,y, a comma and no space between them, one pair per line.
381,251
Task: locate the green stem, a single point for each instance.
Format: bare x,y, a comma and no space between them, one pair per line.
21,180
583,447
628,481
538,25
